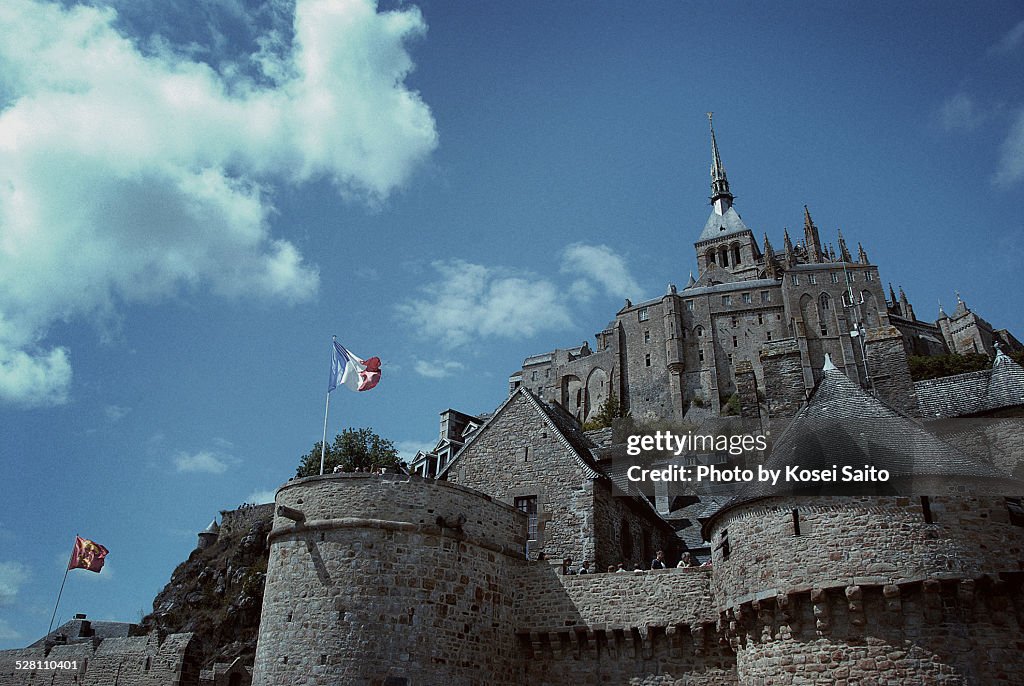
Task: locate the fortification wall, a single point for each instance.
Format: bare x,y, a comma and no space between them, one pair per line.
241,520
135,661
848,540
390,579
932,632
657,627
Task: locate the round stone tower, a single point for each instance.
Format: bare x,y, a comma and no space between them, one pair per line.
871,587
377,579
208,536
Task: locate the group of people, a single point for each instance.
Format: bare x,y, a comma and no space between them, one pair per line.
686,560
372,470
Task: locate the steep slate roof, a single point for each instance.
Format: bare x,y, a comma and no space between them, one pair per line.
843,424
973,392
719,225
562,423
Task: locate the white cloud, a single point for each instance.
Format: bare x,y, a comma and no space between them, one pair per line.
438,369
600,265
960,112
116,413
260,497
12,576
204,461
1011,40
1011,155
471,301
128,176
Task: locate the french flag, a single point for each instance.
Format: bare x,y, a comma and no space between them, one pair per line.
352,372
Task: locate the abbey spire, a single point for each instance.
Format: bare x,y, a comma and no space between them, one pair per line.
721,198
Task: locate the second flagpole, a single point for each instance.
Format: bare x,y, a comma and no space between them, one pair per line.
327,408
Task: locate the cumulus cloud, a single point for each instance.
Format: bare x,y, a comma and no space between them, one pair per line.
130,174
1011,155
598,265
204,461
438,369
1010,41
260,497
472,301
960,112
12,576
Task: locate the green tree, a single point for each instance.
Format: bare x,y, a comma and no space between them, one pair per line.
609,411
352,449
934,366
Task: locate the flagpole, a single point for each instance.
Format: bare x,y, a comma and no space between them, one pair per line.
323,444
327,407
60,593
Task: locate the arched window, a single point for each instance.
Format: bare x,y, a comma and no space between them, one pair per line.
735,253
709,257
825,302
723,256
699,331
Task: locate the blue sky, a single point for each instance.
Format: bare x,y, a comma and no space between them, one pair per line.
195,195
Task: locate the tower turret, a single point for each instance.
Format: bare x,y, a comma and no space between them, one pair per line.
862,256
788,245
811,238
844,254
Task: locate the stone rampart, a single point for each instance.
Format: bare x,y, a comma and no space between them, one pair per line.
135,661
389,579
657,627
799,543
949,631
241,520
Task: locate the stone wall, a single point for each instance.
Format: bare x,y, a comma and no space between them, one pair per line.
389,579
854,540
136,661
783,377
890,374
615,517
956,631
242,519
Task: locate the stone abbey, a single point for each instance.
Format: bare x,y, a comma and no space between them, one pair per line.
433,578
752,303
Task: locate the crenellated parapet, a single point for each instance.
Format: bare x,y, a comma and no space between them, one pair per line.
964,630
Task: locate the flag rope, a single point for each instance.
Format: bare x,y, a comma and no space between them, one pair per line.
60,593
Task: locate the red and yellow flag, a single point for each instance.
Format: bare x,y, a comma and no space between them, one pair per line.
87,555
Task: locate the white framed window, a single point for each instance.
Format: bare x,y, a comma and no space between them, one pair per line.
642,314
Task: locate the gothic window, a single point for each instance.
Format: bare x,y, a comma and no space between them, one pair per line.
723,257
528,505
825,302
709,257
735,253
643,314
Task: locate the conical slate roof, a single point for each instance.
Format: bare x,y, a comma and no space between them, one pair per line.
1006,385
213,528
841,424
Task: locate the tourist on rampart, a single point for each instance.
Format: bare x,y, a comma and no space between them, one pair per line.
687,561
659,561
584,568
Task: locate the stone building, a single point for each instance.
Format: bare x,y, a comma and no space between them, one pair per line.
662,355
